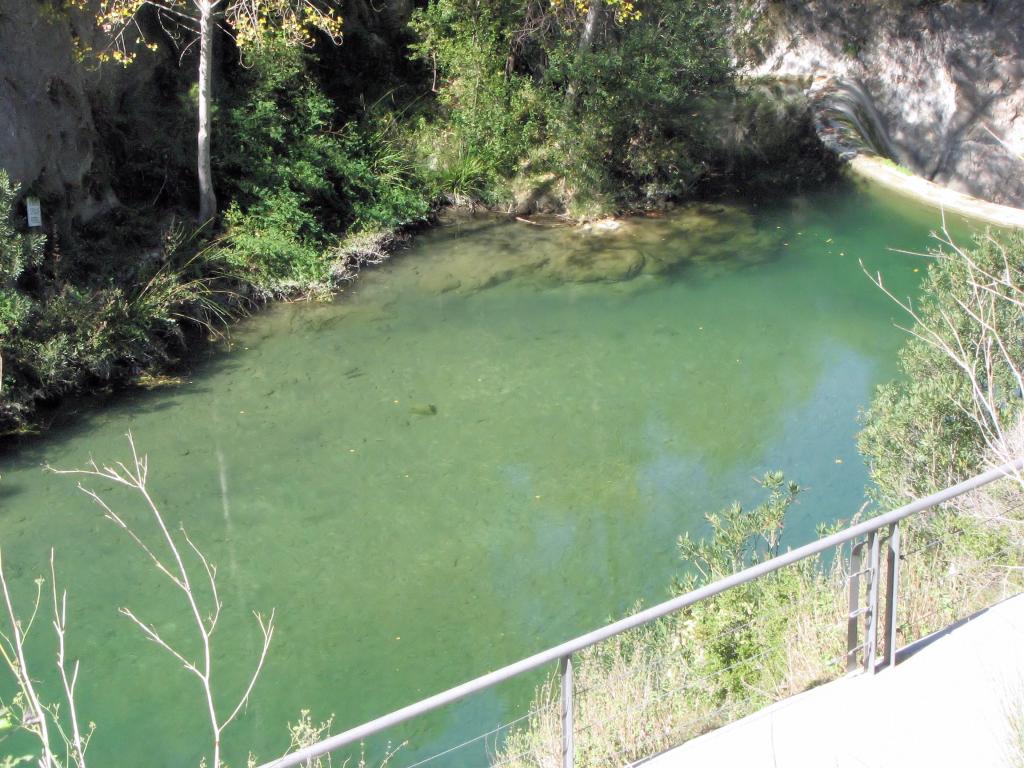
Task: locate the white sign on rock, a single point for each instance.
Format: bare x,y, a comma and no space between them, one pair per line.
35,212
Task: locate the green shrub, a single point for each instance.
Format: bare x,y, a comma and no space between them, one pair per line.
60,335
731,631
922,432
18,253
276,244
296,181
487,117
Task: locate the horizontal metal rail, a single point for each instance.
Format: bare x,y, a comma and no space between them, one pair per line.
567,649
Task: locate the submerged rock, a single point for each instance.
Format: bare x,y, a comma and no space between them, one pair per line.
598,265
601,226
605,251
441,282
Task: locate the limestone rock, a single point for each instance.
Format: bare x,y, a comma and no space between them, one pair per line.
920,82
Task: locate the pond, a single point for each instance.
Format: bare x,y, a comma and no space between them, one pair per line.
486,446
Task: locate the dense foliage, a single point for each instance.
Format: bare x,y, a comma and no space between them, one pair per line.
17,254
297,181
615,111
66,326
486,117
635,127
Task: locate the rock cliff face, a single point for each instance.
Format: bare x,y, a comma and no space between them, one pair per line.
47,133
937,86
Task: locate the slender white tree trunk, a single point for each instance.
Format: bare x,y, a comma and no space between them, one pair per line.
586,41
207,198
590,25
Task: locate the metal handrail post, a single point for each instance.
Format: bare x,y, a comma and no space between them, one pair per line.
853,616
567,712
875,573
892,587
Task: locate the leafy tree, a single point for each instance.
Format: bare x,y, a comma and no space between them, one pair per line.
636,116
297,180
196,20
606,95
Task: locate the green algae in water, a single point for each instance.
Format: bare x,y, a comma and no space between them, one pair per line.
487,446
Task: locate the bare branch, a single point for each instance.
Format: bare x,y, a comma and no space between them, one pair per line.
76,744
211,573
267,628
36,722
153,635
170,562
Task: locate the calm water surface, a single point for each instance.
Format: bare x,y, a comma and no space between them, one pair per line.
477,452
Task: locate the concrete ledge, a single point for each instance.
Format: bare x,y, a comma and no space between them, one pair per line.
919,188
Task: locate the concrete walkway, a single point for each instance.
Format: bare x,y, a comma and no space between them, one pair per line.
948,702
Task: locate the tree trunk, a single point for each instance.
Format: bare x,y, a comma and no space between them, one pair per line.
207,198
591,25
586,42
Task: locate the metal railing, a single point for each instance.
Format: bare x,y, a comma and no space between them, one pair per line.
883,528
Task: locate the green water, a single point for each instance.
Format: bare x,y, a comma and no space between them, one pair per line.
475,453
